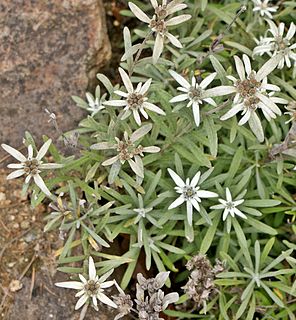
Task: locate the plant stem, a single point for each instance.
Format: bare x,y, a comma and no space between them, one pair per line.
215,44
139,52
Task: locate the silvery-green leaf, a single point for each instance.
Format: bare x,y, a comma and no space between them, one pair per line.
141,132
256,127
114,170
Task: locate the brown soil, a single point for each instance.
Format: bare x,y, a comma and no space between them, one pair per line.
28,263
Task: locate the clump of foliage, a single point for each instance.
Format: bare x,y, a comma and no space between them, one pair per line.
190,159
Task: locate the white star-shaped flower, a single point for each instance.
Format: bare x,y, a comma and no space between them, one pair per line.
279,45
190,193
264,8
229,206
159,25
134,100
31,166
94,104
128,149
91,289
196,93
251,93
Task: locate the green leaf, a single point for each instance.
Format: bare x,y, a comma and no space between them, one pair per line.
212,135
203,4
179,165
272,295
167,262
229,282
106,82
252,309
222,14
80,102
257,256
219,69
70,270
262,203
152,186
244,304
279,259
284,84
92,171
240,47
222,309
68,243
242,241
170,248
260,226
134,252
235,165
209,236
182,315
266,250
260,185
98,239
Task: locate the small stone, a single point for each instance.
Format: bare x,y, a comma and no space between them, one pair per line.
2,196
23,246
30,237
11,264
16,225
15,285
25,224
11,217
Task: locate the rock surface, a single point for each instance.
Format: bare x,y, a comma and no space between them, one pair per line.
49,51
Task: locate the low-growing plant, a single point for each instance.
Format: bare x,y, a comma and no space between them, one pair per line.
189,161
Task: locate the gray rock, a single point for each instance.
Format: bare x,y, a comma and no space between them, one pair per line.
49,51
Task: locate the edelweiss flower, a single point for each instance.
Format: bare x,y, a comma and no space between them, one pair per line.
128,150
291,107
229,206
92,288
94,104
196,93
150,299
251,94
30,166
158,24
278,44
123,301
263,8
190,193
134,101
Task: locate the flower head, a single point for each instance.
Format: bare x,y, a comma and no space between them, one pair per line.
251,94
190,193
31,166
200,285
159,25
196,93
264,8
91,289
230,206
128,150
95,104
123,301
278,44
291,111
134,100
151,300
